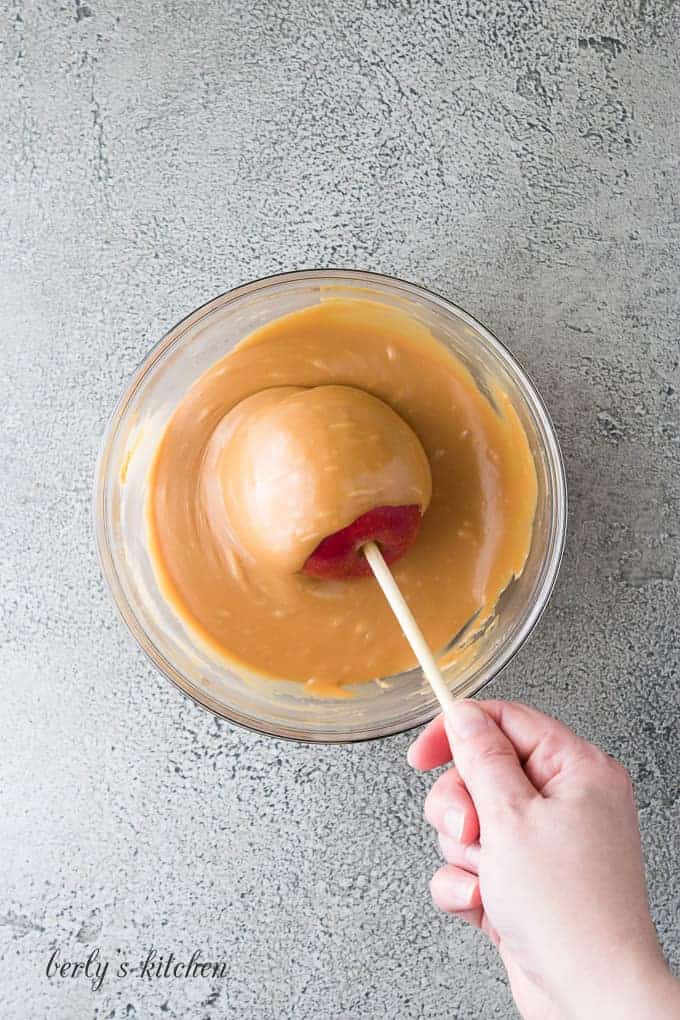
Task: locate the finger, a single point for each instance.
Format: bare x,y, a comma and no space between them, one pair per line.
453,889
431,748
466,857
449,808
545,747
487,762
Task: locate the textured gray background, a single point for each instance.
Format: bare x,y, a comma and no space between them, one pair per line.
519,158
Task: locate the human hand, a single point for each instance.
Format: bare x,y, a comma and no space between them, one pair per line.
539,829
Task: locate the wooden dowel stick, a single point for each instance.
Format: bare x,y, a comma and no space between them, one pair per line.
412,631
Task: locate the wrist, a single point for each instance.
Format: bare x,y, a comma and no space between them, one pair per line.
640,989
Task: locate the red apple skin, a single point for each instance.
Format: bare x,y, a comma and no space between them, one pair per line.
339,556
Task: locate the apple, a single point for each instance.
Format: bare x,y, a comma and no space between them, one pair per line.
339,556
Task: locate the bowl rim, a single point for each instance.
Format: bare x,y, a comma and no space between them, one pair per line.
156,657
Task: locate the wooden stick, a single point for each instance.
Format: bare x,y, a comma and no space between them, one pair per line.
412,631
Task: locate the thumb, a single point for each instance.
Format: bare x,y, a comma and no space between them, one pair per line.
486,761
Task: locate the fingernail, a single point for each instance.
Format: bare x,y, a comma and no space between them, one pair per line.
409,756
470,889
459,887
472,853
466,719
453,823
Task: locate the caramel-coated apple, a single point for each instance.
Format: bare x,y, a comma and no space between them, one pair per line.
298,479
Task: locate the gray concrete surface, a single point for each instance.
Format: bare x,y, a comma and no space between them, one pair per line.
520,158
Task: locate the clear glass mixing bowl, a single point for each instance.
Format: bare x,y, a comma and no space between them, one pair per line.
281,708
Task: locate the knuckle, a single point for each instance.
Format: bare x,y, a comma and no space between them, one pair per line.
608,774
552,746
491,754
620,775
589,759
547,758
612,767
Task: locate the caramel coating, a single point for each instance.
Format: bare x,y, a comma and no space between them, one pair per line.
473,540
291,465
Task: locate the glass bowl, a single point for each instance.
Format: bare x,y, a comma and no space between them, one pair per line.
282,708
